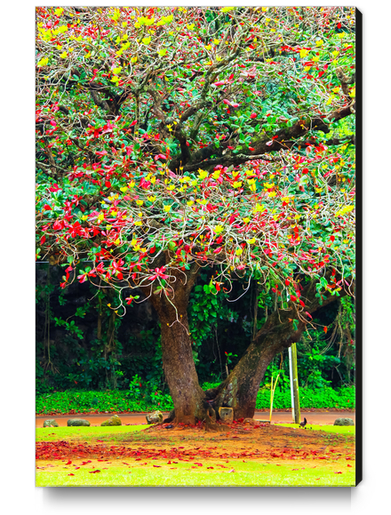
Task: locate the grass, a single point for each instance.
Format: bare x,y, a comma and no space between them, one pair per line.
343,430
235,474
62,433
47,434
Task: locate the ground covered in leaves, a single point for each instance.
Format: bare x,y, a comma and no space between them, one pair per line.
253,454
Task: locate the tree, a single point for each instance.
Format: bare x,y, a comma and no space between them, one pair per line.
172,139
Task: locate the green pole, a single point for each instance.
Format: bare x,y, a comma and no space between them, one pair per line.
294,383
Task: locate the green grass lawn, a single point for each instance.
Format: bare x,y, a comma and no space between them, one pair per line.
236,473
47,434
342,430
119,472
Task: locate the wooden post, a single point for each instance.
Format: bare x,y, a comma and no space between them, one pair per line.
272,390
294,383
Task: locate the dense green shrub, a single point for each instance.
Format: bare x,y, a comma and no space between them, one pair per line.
140,397
310,398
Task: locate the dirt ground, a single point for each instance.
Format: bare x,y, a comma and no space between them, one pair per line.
299,447
318,416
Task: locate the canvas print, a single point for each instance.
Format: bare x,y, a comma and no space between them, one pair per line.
197,321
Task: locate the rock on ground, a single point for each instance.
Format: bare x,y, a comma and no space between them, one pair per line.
112,421
77,422
343,422
155,418
50,422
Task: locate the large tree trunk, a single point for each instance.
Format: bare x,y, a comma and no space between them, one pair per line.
178,362
240,389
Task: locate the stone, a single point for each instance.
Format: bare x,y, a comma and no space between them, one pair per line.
50,422
344,422
78,422
113,421
226,415
250,421
155,417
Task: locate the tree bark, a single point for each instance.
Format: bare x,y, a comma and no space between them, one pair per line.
240,389
178,362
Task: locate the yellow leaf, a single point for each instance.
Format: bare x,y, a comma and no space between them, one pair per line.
116,15
147,40
165,20
43,62
259,208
